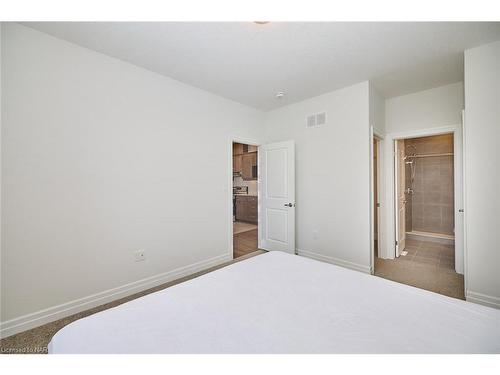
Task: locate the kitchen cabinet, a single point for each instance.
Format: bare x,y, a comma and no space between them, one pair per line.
249,166
249,148
237,159
245,161
246,208
237,148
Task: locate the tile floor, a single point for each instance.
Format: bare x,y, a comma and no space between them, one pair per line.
428,265
245,243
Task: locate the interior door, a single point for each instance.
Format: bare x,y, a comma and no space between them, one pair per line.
459,157
401,197
277,196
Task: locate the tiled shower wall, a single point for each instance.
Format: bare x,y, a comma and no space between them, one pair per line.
430,208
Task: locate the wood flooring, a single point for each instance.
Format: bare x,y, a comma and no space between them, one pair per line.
244,243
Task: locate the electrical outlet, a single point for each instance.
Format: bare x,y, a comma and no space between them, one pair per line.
139,255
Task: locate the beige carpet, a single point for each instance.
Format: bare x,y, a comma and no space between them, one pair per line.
36,340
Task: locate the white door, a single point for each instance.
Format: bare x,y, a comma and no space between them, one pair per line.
400,197
277,196
459,157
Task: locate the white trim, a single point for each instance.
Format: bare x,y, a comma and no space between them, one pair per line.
29,321
464,199
423,132
372,203
483,299
378,134
395,199
336,261
245,141
375,134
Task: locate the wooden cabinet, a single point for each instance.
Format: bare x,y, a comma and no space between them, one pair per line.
237,148
249,166
245,161
246,208
237,159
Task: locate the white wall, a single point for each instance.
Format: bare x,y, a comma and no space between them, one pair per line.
415,114
437,107
332,174
482,173
101,158
377,110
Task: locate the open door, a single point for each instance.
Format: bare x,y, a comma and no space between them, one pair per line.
277,196
459,164
401,197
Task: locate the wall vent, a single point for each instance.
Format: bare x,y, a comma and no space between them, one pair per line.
317,119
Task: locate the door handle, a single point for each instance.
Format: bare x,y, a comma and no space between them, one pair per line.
289,205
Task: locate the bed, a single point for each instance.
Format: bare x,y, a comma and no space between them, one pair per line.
281,303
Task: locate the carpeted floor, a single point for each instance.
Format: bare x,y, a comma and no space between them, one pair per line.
427,266
36,340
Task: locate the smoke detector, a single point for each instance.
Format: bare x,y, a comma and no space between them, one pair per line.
280,95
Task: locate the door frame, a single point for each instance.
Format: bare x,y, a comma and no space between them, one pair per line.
375,134
389,250
397,252
246,141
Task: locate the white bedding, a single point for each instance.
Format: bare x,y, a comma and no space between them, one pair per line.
281,303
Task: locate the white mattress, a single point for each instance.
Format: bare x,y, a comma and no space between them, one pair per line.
280,303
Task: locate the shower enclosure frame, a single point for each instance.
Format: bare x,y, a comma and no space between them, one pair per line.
388,225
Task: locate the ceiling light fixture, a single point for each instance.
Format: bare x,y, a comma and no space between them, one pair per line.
260,22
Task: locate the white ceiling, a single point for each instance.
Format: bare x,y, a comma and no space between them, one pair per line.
249,63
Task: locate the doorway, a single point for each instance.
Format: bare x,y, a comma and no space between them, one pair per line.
424,216
245,199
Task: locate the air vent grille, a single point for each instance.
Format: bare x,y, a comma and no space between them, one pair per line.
316,119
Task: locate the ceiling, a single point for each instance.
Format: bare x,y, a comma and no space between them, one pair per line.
250,63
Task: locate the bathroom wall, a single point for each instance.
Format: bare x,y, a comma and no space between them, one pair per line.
431,206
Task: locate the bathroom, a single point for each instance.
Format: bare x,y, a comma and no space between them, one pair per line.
425,216
429,188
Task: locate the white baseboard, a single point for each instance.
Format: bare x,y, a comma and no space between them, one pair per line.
443,239
483,299
29,321
336,261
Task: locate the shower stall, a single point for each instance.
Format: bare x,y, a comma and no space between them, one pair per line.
429,188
